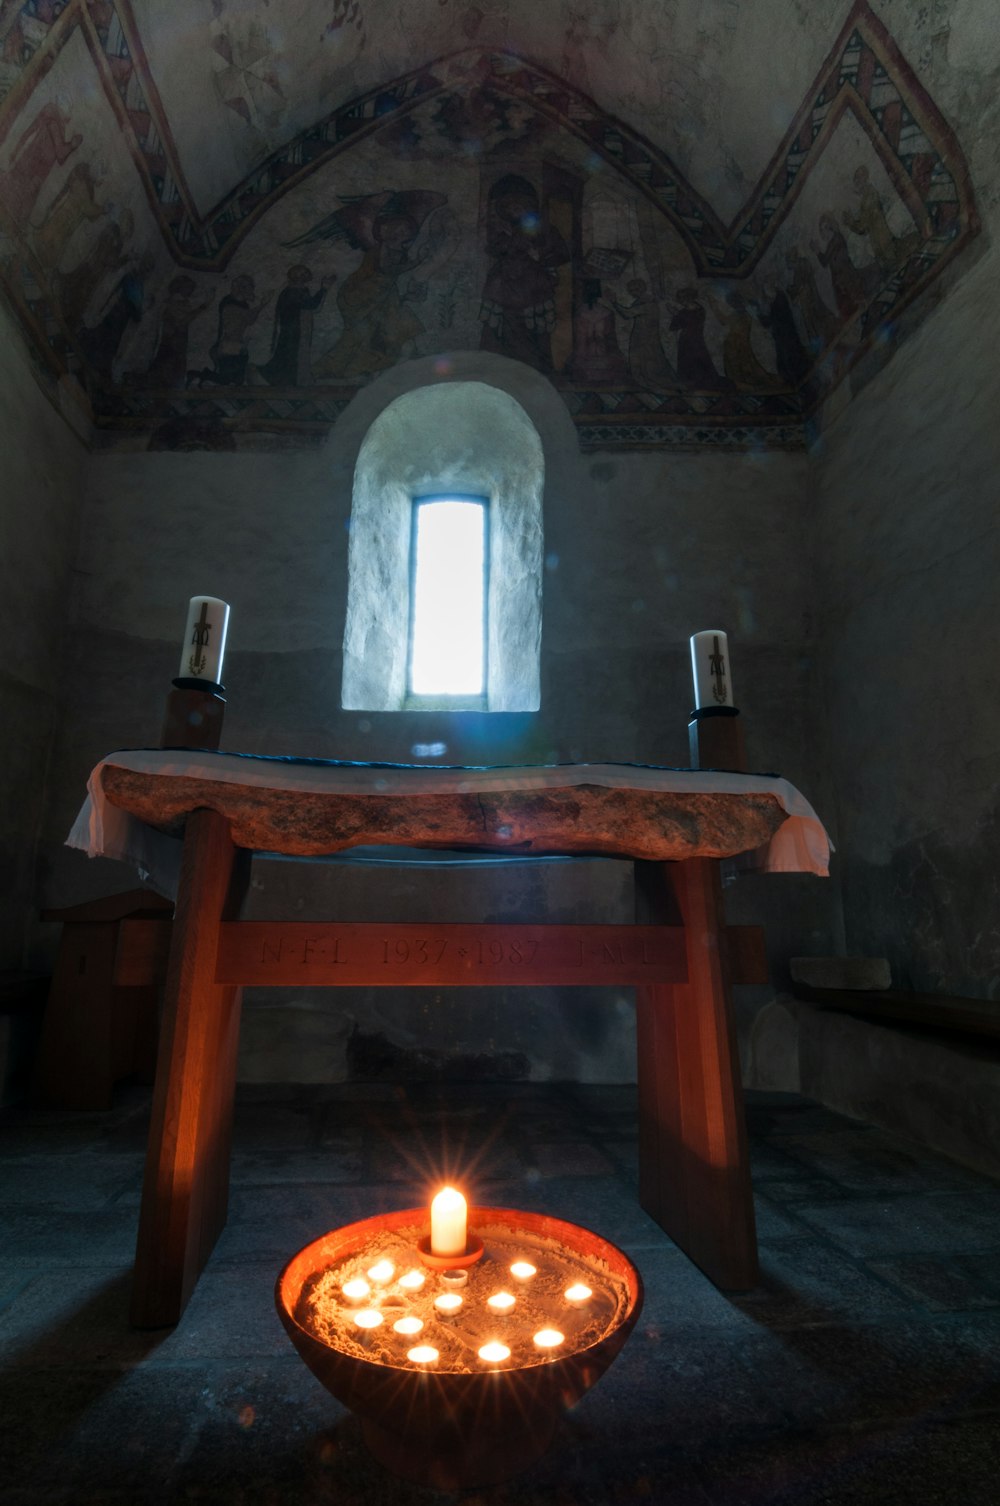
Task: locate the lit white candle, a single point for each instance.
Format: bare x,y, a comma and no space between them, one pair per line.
522,1270
448,1304
412,1281
204,639
381,1272
408,1325
494,1353
423,1354
357,1290
449,1212
578,1294
548,1338
369,1318
501,1302
713,681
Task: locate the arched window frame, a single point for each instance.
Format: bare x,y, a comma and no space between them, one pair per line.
456,438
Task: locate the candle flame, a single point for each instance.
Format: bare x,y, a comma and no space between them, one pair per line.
408,1325
368,1319
381,1272
548,1338
501,1302
494,1353
356,1290
521,1270
578,1293
412,1281
423,1354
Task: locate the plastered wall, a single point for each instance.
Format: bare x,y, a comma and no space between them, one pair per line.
40,468
908,554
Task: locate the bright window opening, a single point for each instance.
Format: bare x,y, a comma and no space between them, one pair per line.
448,597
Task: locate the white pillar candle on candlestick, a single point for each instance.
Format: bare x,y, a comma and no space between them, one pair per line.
204,639
449,1212
713,681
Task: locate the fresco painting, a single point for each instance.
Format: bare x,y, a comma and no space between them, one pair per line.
476,204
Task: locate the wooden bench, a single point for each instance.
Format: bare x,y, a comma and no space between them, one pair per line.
102,1017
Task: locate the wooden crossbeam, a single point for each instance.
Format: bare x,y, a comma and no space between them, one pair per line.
143,945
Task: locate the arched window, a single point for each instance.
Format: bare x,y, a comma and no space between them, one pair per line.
473,445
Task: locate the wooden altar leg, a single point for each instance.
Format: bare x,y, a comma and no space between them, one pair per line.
186,1190
694,1173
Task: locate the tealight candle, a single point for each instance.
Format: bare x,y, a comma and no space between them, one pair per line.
381,1272
449,1213
578,1294
501,1302
357,1290
368,1318
522,1270
548,1338
423,1354
494,1353
448,1304
408,1325
412,1281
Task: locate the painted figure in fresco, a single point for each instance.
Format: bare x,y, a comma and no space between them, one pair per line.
518,311
852,286
107,256
43,146
647,364
695,367
789,353
289,365
379,323
891,251
230,356
739,359
168,367
74,205
596,354
820,322
99,345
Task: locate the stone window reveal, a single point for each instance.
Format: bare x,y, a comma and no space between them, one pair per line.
464,439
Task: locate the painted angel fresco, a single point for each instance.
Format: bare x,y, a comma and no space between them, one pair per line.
375,300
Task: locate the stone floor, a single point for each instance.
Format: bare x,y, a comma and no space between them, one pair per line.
865,1368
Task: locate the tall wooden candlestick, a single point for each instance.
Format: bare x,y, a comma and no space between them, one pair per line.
193,715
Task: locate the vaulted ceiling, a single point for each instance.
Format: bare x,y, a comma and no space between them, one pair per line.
218,218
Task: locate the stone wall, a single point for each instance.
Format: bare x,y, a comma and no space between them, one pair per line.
38,535
640,550
909,548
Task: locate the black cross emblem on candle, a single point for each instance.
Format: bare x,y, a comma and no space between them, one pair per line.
717,664
199,641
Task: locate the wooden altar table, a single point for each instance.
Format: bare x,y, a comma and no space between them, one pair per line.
680,956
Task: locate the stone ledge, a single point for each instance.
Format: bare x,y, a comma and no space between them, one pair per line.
940,1091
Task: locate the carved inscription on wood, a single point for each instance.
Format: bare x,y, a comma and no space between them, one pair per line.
269,953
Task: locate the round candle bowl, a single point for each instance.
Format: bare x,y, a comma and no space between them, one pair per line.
443,1428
